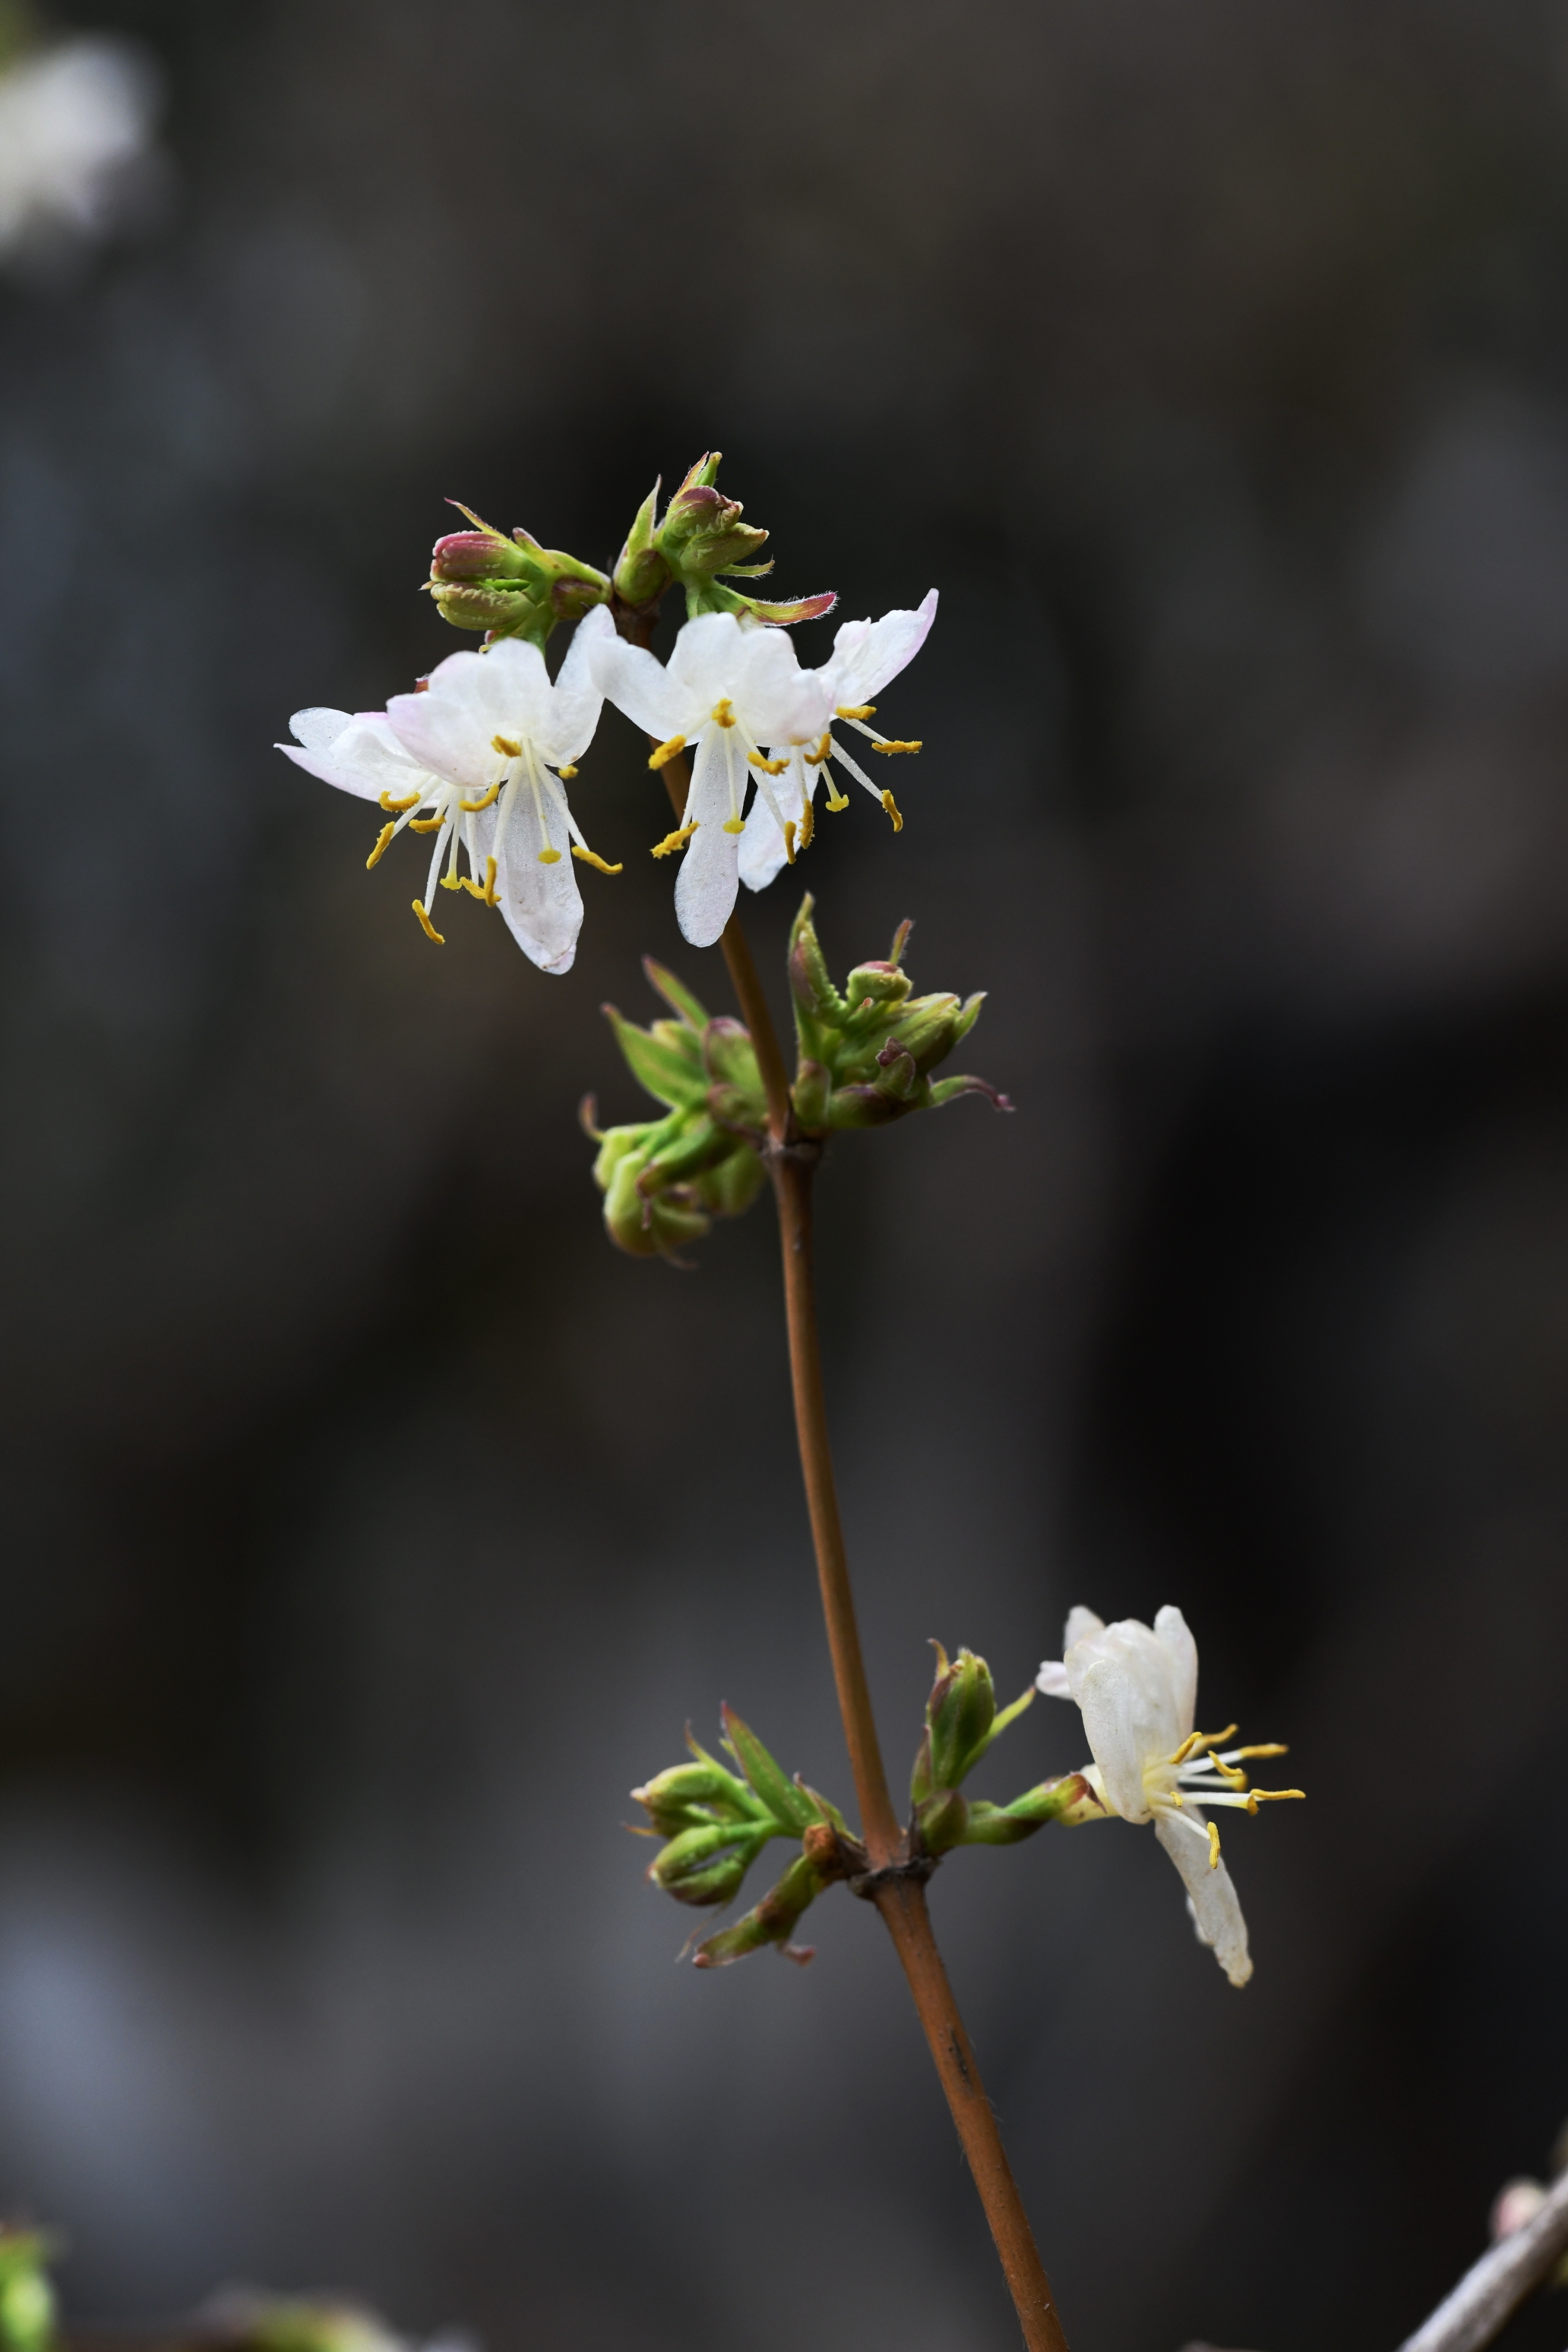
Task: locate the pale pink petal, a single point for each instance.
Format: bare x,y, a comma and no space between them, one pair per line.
1211,1896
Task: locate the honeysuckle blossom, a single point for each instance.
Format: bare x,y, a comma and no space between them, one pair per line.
730,686
867,657
74,122
479,759
1136,1688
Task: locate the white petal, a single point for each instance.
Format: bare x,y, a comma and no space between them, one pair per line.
1113,1704
542,904
652,699
1081,1623
575,700
706,659
1171,1631
708,879
510,690
356,751
1052,1679
451,727
868,654
1216,1914
776,701
1132,1658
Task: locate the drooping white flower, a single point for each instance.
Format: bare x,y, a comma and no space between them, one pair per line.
867,657
730,686
73,121
1136,1688
481,760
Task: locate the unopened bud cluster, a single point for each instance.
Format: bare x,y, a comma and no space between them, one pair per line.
715,1822
27,2308
865,1054
666,1180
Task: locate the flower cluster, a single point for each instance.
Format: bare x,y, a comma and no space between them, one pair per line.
481,754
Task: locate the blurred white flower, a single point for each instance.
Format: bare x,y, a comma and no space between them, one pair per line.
867,657
479,759
1136,1688
74,121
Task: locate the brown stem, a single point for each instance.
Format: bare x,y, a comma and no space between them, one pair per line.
901,1898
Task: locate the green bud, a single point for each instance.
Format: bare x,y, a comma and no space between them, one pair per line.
729,1189
731,1061
772,1921
253,2323
865,1056
512,587
28,2308
666,1061
641,574
669,1798
706,1862
960,1713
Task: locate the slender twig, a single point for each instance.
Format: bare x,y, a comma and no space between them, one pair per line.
900,1897
1492,2289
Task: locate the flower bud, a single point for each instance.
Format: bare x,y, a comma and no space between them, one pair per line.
669,1796
960,1713
512,587
699,536
705,1864
641,574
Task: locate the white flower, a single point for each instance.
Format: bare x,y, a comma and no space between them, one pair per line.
72,121
867,657
1137,1689
478,759
729,687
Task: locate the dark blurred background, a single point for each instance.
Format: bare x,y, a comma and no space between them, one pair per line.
372,1526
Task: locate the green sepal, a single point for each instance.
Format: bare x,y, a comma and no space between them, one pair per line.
789,1805
670,1073
941,1821
675,993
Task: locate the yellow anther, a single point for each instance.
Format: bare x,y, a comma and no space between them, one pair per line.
506,747
550,857
724,712
588,858
1187,1748
426,926
735,824
1271,1748
382,838
473,807
768,767
789,838
895,747
855,710
1231,1772
399,808
823,751
675,840
836,799
484,892
892,808
425,824
667,751
452,882
567,773
1272,1797
1206,1739
807,821
1214,1847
